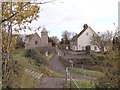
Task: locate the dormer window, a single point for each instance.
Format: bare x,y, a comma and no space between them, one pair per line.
36,42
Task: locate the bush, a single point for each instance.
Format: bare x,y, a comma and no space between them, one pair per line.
34,54
20,43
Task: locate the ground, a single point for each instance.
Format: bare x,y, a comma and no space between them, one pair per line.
56,65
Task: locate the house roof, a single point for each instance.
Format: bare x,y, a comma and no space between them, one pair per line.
30,36
85,27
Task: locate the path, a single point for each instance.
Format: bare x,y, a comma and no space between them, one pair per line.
56,65
49,82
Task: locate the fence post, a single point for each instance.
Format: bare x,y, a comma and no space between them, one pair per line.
70,84
71,63
66,76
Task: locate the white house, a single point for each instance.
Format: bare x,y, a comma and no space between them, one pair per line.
83,39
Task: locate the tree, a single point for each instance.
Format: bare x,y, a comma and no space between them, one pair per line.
55,39
109,64
66,35
110,68
14,14
19,43
102,41
15,17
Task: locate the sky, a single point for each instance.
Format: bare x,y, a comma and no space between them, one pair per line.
71,15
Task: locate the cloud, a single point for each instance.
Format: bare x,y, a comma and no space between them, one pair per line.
72,14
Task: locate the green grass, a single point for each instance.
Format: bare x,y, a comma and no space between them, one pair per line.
51,73
81,84
96,74
85,83
26,80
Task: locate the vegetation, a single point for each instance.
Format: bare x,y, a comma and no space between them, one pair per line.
34,54
82,84
16,14
51,73
87,72
108,62
24,80
19,43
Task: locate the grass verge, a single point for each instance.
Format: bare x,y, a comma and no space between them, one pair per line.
51,73
81,84
96,74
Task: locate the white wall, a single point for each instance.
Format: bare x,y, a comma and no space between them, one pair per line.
85,39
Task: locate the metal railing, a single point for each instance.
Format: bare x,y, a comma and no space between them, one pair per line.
70,83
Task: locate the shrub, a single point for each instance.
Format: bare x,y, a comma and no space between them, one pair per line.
20,43
34,54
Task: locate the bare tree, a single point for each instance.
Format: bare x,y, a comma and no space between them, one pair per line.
103,40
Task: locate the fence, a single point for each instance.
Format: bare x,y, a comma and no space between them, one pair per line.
70,83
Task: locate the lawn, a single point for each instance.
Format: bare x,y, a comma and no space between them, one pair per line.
96,74
50,72
26,80
82,84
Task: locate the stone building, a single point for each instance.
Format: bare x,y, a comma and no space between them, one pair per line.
34,40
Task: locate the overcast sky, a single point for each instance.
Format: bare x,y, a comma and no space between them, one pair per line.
72,14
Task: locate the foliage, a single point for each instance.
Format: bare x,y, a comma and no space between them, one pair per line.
34,54
25,81
82,84
109,66
51,73
15,16
54,40
19,43
65,37
102,41
87,72
42,50
17,70
29,82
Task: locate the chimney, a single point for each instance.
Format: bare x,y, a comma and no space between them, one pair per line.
85,26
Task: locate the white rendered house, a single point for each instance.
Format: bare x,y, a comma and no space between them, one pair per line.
83,39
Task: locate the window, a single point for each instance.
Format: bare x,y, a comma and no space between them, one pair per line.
95,48
87,33
36,42
93,35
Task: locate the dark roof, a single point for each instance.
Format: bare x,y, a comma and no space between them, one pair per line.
85,27
30,36
76,36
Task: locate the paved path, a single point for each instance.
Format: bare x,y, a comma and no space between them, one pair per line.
49,82
56,65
